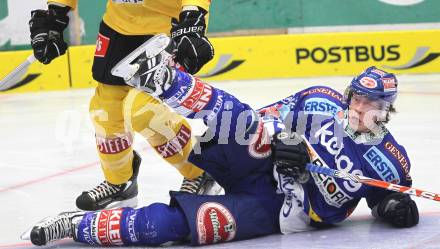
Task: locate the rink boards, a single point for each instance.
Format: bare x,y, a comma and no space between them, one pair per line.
262,57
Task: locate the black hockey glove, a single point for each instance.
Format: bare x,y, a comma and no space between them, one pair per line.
399,210
290,156
193,48
47,28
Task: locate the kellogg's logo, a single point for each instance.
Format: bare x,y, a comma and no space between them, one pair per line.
215,223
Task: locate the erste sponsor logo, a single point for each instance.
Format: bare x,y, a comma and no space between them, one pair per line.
383,167
321,106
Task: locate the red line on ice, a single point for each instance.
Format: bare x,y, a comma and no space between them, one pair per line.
45,178
16,245
27,244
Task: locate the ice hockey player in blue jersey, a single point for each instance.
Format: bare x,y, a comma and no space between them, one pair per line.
259,157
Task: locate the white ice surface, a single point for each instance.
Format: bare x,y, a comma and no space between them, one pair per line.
47,157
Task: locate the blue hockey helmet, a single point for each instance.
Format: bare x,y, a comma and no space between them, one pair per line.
375,84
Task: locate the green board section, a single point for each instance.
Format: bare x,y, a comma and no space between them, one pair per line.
3,9
91,13
3,15
357,12
231,15
238,14
253,14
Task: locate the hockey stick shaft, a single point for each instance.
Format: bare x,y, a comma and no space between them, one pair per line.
372,182
13,77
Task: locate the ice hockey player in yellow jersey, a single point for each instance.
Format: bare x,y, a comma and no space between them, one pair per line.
117,111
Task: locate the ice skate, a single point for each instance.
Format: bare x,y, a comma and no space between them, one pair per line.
147,68
202,185
53,228
107,195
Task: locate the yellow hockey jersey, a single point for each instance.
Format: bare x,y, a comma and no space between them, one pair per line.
140,17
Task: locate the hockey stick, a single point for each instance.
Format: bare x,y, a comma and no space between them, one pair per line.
14,77
372,182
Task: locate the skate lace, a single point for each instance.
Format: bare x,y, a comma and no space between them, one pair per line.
57,228
158,77
103,190
192,186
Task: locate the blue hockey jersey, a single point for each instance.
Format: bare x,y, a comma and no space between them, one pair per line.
319,115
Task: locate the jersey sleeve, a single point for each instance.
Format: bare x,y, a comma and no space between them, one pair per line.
297,110
313,105
319,100
71,3
389,162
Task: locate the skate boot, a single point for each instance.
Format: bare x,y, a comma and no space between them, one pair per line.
202,185
148,67
54,228
107,195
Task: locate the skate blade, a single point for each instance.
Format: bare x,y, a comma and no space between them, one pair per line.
125,203
126,69
26,235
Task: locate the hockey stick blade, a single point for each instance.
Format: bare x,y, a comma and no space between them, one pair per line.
372,182
13,78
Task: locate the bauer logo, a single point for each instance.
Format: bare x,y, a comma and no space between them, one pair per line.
383,167
215,223
321,106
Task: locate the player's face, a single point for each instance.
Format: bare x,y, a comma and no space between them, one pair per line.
363,113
